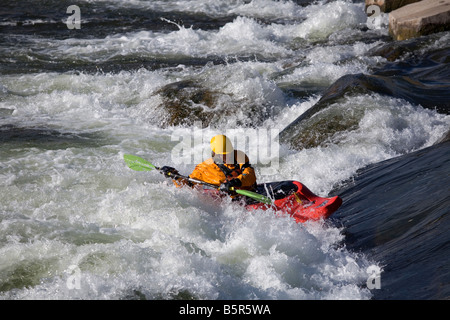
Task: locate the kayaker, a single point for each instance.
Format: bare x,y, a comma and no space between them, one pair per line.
227,168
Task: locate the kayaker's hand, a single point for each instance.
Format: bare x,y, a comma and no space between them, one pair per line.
168,171
226,186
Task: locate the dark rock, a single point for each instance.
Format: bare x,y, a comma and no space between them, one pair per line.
388,5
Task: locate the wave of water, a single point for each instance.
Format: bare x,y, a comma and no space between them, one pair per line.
72,102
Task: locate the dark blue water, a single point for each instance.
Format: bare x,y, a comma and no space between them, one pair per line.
398,212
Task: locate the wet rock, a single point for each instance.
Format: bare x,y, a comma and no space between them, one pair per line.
418,19
395,50
389,5
445,137
320,128
327,117
418,59
187,103
322,121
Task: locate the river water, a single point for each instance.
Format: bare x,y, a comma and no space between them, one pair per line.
313,91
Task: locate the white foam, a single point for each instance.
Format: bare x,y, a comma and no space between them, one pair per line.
388,128
133,233
243,36
324,19
218,8
129,232
149,237
216,258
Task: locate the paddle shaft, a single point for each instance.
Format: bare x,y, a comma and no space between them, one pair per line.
247,193
179,176
139,164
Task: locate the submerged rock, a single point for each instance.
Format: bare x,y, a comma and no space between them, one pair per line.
412,73
326,118
322,121
187,103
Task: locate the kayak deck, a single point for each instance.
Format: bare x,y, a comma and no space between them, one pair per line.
295,199
289,197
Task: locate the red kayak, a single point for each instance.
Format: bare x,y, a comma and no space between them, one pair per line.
293,198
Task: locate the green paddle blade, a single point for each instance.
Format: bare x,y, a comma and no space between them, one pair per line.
138,164
254,195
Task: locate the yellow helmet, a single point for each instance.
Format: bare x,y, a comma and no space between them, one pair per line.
220,144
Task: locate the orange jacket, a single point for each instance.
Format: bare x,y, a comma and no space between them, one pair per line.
210,172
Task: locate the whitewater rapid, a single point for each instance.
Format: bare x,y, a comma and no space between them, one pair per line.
77,223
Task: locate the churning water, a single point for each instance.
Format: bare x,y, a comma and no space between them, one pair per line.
146,77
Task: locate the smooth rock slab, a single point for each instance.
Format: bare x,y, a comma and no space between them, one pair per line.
420,18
